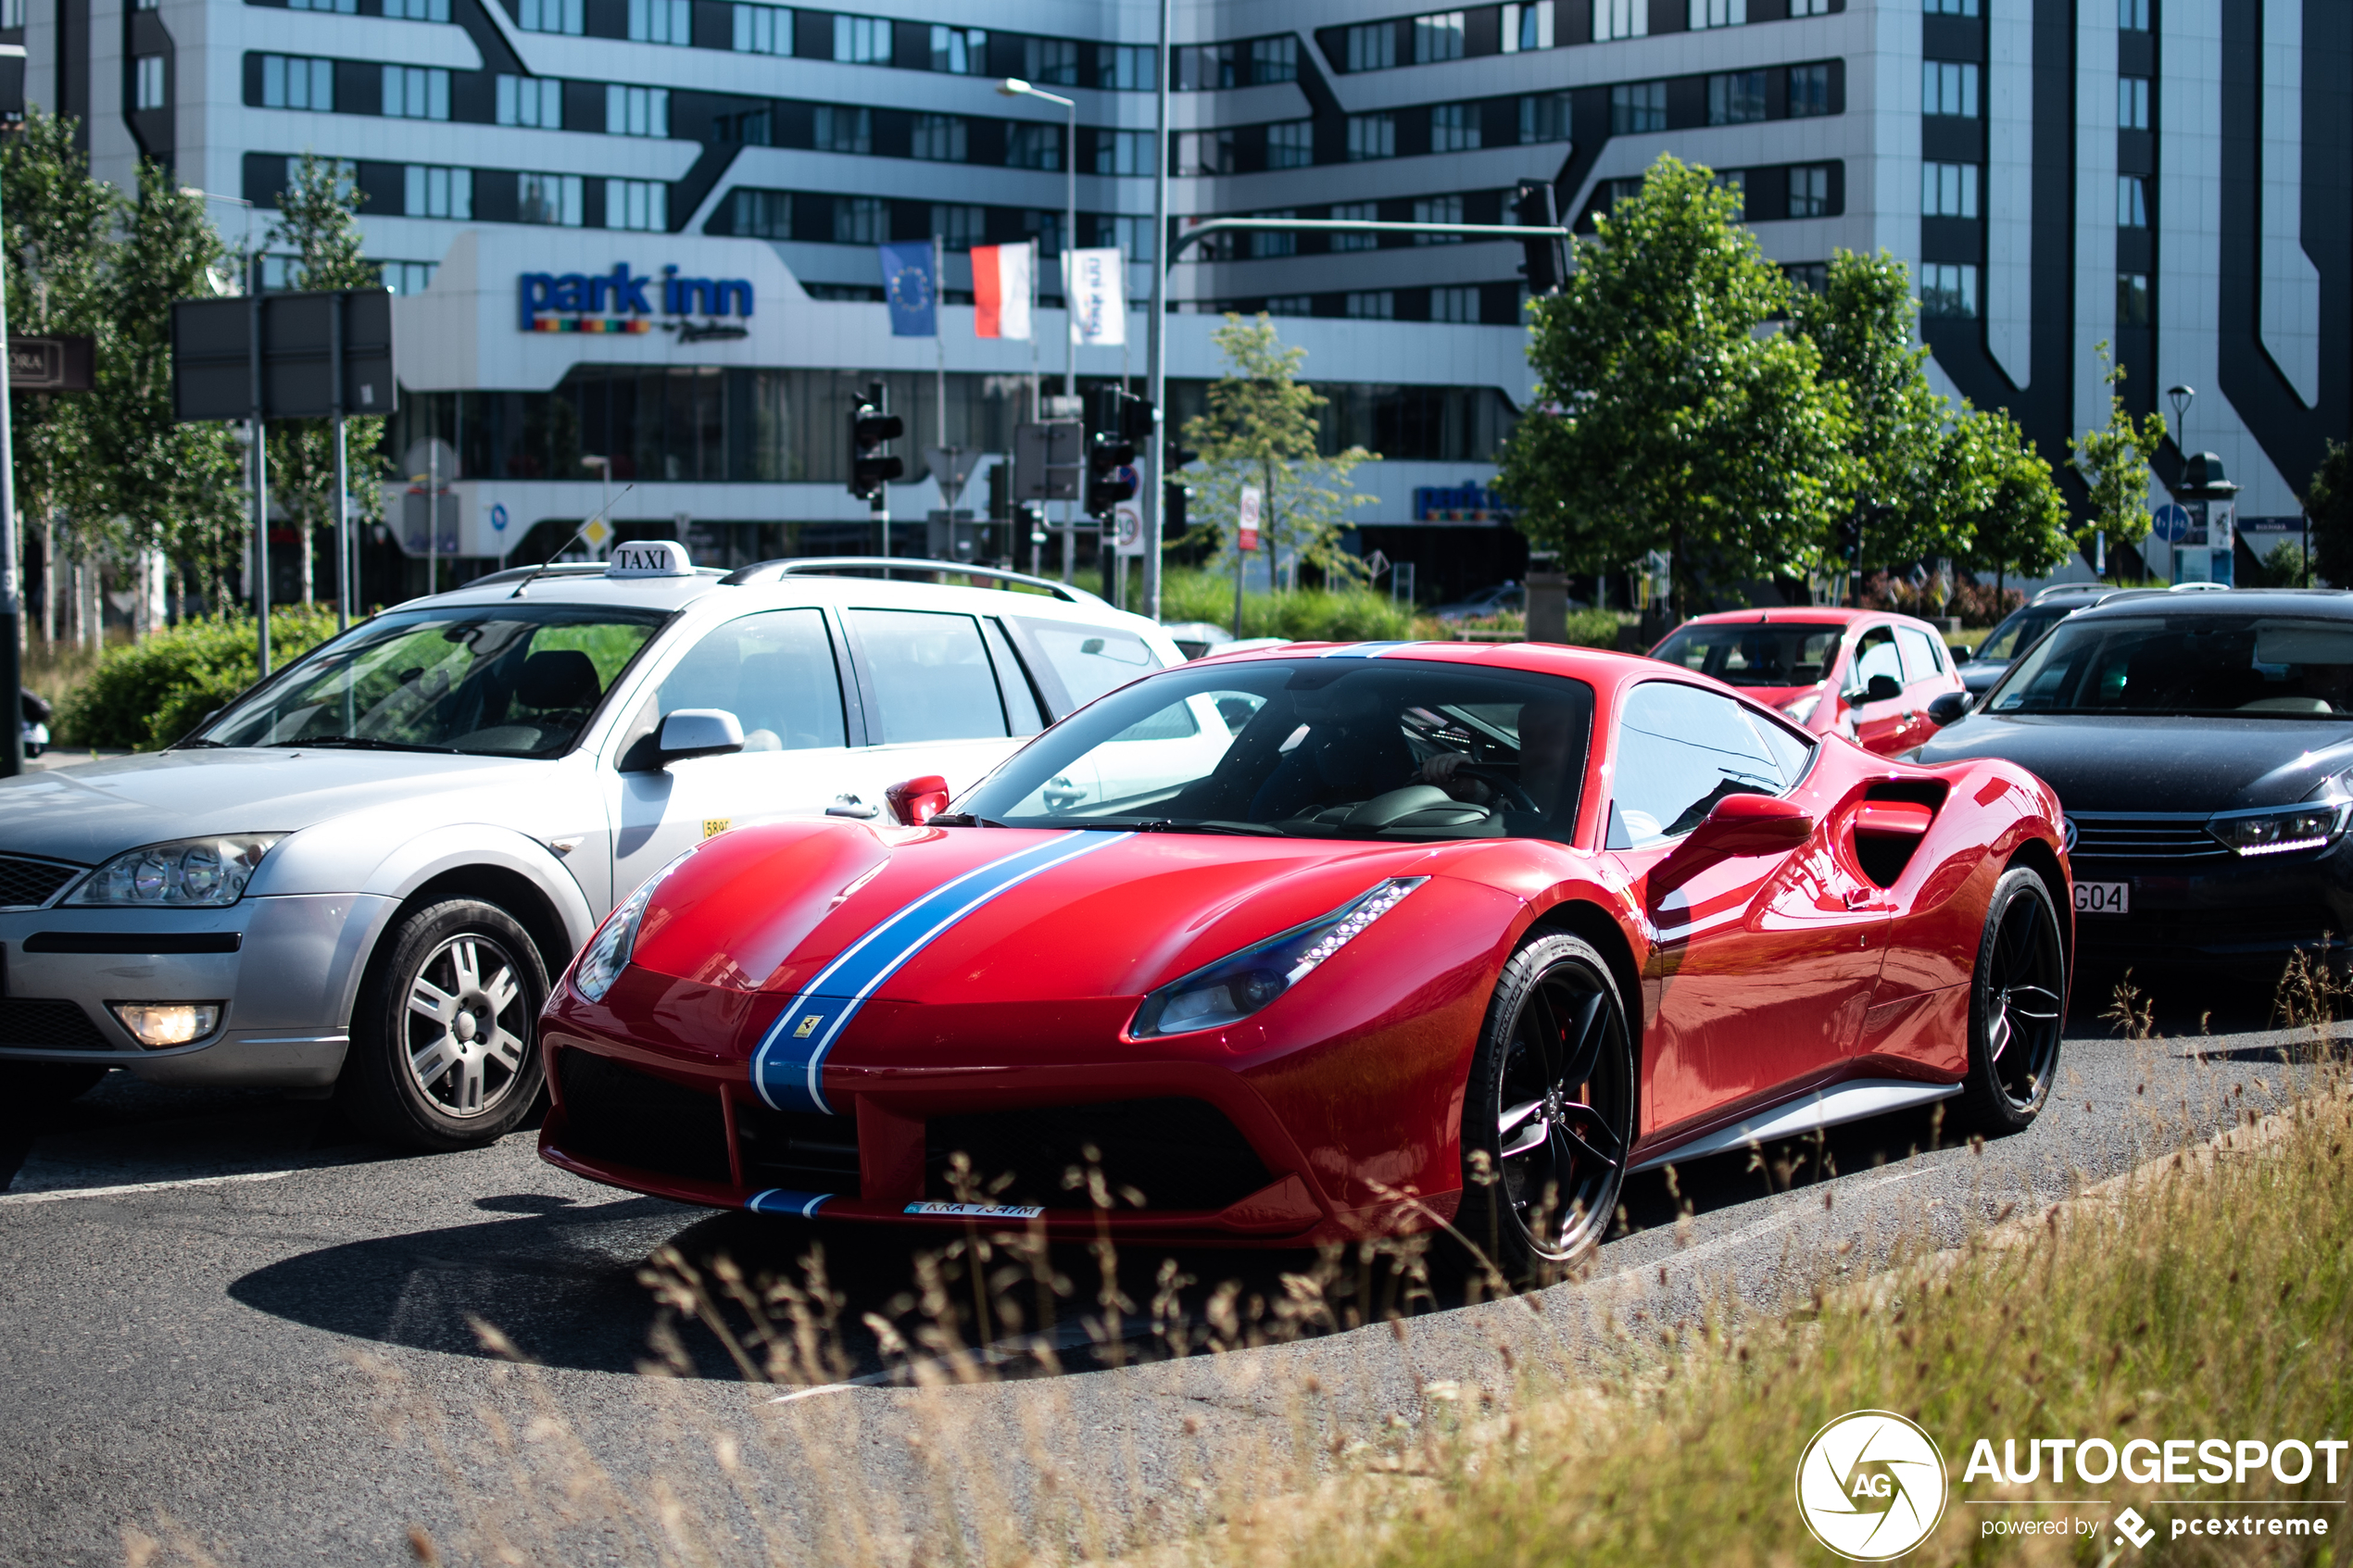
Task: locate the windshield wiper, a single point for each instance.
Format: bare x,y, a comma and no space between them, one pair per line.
366,743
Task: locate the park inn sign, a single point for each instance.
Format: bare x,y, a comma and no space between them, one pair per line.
621,301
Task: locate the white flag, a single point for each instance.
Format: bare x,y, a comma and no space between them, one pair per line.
1091,280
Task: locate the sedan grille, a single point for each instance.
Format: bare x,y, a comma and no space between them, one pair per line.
26,884
2124,836
49,1027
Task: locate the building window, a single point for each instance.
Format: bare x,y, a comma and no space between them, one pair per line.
959,227
1620,19
2132,15
1438,209
1618,193
1543,117
745,128
1372,46
1291,304
406,276
660,21
1372,304
1811,275
939,137
1455,127
1809,91
1356,212
1736,181
1948,87
1527,27
1457,305
416,93
762,215
837,127
2132,299
959,51
11,13
1045,228
530,100
551,16
1717,13
1133,236
637,204
636,111
1438,36
548,198
1273,60
1205,68
1947,290
1204,152
1948,190
405,11
1051,60
1123,152
1736,97
2133,103
1125,67
1372,136
1034,146
290,82
763,29
2132,202
862,41
1953,7
1266,242
1809,7
1637,106
438,192
861,220
1290,144
146,74
1809,191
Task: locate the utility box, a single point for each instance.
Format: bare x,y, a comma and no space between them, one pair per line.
1547,606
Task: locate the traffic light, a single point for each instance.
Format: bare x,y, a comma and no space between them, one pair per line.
1110,473
871,428
1546,262
1175,498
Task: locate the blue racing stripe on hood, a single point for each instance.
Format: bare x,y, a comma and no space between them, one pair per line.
787,1069
783,1200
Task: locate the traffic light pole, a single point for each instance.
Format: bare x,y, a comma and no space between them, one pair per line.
11,603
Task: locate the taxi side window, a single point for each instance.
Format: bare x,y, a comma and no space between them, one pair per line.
1085,661
1923,658
1020,703
1876,655
930,674
775,671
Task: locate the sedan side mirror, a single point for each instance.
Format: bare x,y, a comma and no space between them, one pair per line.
700,732
916,801
1946,708
1752,824
1882,688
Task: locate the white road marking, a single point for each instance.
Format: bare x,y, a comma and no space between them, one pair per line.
129,1189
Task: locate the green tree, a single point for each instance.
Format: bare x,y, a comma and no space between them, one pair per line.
1667,415
2114,461
2328,501
316,220
2014,518
1261,430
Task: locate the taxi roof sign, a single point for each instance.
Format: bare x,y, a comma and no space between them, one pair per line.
651,558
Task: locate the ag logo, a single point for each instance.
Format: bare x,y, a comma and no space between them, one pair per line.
1872,1485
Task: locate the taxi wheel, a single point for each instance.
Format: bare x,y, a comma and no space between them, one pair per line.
445,1049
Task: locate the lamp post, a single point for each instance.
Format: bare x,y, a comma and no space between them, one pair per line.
2181,395
1014,87
260,446
1156,350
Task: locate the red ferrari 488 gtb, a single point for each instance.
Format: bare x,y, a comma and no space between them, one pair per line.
1320,942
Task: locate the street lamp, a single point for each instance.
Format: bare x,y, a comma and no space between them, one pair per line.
2181,397
1014,87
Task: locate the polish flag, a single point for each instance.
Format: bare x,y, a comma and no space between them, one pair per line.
1001,287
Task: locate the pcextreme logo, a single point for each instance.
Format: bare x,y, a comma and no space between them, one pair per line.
1871,1486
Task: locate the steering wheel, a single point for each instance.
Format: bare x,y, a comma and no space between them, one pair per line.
1505,786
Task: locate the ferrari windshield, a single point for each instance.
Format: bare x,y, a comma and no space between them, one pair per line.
505,680
1331,748
2253,666
1754,652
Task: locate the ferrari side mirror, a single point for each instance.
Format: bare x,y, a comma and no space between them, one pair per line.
916,801
1752,824
1946,708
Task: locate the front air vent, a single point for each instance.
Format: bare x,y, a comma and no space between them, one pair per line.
1171,1154
27,883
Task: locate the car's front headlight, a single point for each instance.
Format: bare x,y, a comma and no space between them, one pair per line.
608,952
1802,709
1241,984
187,873
2309,826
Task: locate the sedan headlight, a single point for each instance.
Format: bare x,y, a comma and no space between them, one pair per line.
608,952
1241,984
187,873
1802,709
2278,832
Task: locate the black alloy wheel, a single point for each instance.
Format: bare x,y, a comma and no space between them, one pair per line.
1549,1116
2018,1005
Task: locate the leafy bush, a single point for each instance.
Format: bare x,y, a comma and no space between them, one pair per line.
1593,628
1307,615
144,696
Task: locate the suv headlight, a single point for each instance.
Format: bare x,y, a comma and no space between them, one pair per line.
187,873
2278,832
606,955
1241,984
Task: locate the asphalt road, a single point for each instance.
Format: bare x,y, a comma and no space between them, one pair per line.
234,1325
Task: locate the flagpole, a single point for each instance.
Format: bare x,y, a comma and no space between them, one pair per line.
939,337
1156,351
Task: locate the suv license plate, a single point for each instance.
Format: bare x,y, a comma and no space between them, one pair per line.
2103,897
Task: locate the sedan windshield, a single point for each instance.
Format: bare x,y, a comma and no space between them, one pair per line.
503,680
1310,749
2255,666
1756,653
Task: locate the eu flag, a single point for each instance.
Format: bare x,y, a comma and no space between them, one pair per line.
913,289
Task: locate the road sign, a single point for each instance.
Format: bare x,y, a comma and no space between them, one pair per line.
213,355
49,364
598,534
1047,460
499,517
1127,524
2170,524
1253,501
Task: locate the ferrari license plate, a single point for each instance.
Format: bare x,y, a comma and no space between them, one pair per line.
2103,897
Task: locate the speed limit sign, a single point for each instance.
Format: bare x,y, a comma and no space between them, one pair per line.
1127,528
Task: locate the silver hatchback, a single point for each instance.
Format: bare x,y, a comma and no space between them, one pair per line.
363,876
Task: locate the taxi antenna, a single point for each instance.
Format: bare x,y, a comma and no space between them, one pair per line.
568,544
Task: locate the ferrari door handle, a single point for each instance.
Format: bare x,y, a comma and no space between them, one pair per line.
846,805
